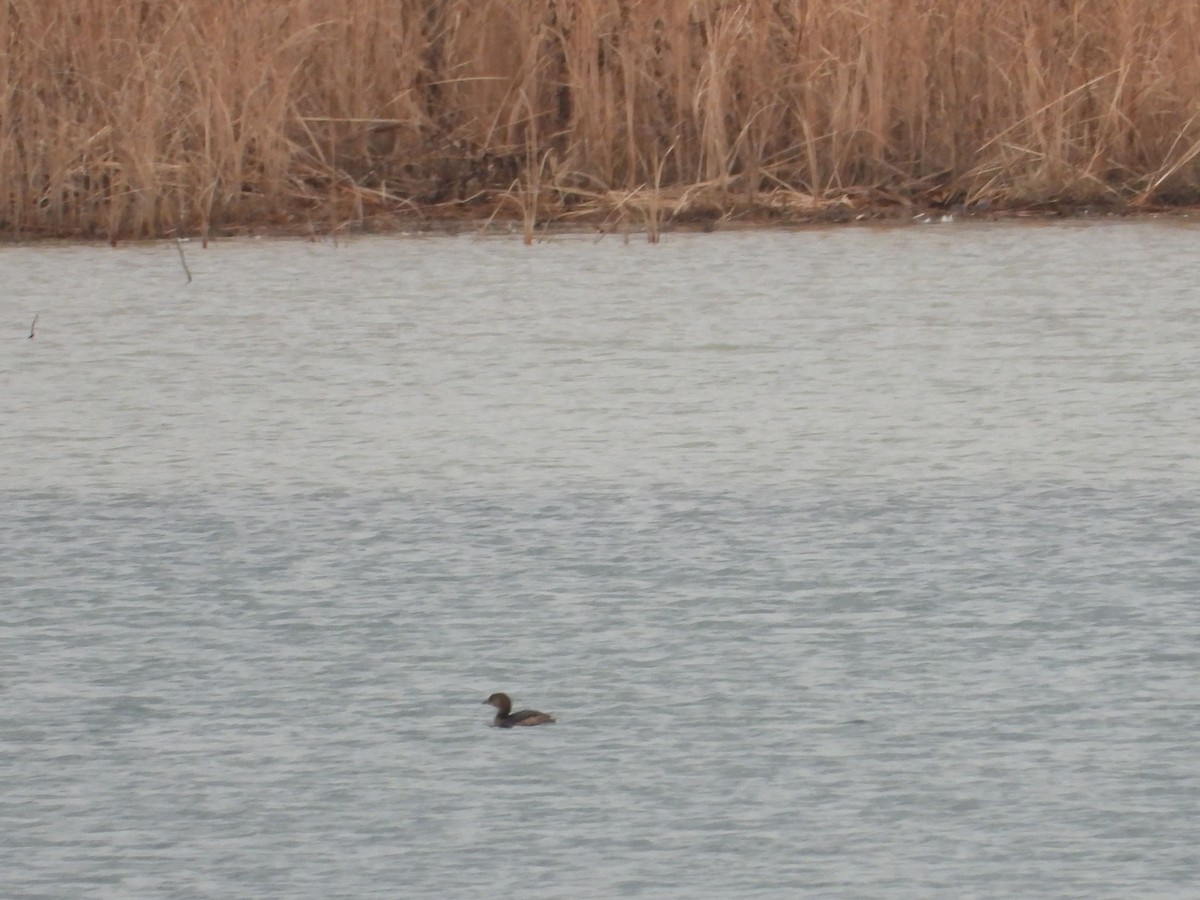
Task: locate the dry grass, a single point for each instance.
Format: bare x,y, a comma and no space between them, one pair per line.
137,118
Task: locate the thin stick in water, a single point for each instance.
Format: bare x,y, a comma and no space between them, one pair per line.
33,324
183,259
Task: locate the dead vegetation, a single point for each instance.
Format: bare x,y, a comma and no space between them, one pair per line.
132,119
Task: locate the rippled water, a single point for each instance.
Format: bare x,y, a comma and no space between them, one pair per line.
854,563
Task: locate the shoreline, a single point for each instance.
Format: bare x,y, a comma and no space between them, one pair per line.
649,225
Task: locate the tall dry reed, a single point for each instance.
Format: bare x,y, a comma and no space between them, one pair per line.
137,118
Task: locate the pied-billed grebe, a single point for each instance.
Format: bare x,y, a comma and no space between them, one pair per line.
506,718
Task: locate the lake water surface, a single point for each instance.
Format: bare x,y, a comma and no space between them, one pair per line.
854,563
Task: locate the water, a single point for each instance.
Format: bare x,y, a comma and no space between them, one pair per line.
855,563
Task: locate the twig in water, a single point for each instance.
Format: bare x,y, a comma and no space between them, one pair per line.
33,324
182,259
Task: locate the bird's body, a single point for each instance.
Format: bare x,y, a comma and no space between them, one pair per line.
506,718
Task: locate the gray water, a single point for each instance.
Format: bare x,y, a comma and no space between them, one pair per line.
854,563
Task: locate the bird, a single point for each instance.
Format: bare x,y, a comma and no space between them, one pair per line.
506,718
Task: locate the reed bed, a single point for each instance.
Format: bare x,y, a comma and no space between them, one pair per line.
145,118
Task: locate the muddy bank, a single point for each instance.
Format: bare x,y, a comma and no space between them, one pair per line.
645,215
